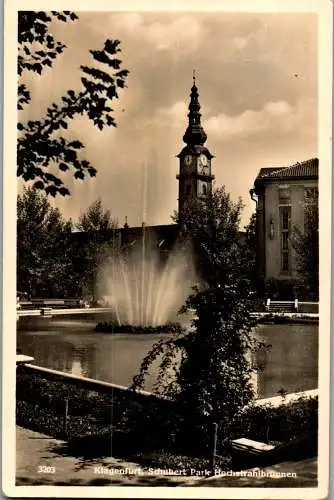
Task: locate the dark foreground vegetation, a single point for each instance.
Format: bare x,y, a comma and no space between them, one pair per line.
108,327
129,425
281,319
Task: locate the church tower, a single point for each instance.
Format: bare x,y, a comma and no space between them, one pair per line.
195,176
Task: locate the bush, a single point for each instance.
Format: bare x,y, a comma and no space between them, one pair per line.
37,418
108,327
281,319
138,429
41,407
278,424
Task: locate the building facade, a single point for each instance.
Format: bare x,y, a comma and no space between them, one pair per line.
281,196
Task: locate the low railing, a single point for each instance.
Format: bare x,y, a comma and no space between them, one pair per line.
292,306
39,303
88,383
49,311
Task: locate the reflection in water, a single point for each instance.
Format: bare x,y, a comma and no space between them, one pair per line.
291,363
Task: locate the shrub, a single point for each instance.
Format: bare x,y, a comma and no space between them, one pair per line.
41,407
108,327
277,424
212,380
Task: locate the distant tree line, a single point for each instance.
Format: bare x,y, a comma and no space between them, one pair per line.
51,261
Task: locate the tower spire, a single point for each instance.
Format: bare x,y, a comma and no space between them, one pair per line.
194,135
195,174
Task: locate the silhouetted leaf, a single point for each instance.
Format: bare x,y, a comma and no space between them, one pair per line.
63,191
79,175
52,190
92,172
101,56
38,68
76,144
112,46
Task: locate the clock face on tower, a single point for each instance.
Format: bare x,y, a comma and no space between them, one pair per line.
203,160
188,160
203,164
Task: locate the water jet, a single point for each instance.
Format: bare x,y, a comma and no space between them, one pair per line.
145,287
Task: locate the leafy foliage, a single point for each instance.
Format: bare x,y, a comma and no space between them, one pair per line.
43,247
93,250
281,424
306,246
207,369
251,245
51,260
96,218
40,145
37,46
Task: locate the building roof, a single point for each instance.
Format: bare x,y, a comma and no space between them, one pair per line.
195,133
305,170
163,236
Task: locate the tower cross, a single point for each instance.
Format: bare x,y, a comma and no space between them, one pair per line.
194,76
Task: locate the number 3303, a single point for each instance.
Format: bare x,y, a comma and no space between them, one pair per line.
46,469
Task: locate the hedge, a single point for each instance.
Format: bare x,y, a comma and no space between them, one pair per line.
277,424
144,428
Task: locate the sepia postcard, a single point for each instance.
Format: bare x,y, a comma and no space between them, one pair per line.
167,249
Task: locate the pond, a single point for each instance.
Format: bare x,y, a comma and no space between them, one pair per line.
71,346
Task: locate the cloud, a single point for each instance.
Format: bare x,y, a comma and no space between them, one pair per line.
183,32
176,113
127,21
278,117
240,42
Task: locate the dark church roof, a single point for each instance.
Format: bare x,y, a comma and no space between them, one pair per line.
305,170
162,236
195,134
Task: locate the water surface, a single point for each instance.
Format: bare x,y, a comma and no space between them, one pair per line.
291,363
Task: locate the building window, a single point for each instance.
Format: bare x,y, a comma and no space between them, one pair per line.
285,216
284,196
188,189
204,189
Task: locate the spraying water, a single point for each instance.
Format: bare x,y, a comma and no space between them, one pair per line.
145,288
144,285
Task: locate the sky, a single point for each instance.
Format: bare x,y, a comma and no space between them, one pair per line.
257,81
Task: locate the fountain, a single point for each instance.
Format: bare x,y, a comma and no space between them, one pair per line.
146,288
